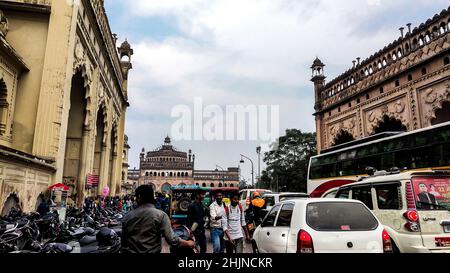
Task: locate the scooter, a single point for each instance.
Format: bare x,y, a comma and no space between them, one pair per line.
186,234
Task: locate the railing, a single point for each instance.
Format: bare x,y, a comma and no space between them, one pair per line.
358,77
38,2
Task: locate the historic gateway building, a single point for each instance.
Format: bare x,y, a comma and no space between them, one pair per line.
63,98
167,166
404,86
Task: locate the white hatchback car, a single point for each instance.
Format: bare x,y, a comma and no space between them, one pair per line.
321,226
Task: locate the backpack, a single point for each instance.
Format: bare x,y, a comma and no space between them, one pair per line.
227,210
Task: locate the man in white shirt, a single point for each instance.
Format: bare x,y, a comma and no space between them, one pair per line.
234,223
217,213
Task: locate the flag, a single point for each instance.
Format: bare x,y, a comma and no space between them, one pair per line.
93,180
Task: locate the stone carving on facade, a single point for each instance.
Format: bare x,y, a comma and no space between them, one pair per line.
395,110
348,126
4,25
434,98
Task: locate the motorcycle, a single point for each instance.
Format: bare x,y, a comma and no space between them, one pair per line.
186,234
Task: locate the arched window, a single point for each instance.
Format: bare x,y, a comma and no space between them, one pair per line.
407,48
410,78
186,174
414,44
4,106
204,185
424,71
389,124
212,185
446,61
182,174
11,202
427,38
442,115
171,174
343,137
421,41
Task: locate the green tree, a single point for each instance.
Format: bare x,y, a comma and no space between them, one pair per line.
287,162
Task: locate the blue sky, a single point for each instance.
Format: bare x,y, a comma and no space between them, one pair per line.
249,52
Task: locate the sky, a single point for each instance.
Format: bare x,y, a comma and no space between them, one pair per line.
244,52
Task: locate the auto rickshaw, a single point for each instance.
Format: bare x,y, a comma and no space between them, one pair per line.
181,198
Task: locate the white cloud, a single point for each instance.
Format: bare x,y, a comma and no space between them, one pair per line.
231,51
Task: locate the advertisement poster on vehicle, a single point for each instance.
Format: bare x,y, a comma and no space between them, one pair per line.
432,190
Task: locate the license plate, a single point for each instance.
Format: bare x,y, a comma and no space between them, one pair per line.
443,242
447,228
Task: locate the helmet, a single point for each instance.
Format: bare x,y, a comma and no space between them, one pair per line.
106,237
256,194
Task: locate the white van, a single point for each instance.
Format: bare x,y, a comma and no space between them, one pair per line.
413,206
247,195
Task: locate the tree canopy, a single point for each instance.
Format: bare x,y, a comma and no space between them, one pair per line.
287,162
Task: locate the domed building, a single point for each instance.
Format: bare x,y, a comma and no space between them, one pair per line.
166,166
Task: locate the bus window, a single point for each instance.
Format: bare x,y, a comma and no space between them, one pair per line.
420,158
343,194
363,194
441,135
387,161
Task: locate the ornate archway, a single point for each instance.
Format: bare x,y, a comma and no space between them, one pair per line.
442,114
389,124
342,137
11,202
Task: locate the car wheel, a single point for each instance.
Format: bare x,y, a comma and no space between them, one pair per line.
255,247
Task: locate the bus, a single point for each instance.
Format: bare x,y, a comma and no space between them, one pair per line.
423,149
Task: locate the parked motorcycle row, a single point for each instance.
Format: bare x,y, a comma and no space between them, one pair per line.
96,231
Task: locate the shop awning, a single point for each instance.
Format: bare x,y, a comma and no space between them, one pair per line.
60,187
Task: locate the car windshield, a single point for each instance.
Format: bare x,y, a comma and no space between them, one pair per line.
340,216
432,193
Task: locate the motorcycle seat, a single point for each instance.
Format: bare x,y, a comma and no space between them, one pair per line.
88,240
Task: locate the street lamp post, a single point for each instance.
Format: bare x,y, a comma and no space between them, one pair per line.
242,162
258,151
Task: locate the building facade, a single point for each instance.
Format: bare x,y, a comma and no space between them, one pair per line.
167,166
403,87
217,178
63,99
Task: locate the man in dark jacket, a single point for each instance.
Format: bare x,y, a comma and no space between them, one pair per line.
43,207
142,227
196,220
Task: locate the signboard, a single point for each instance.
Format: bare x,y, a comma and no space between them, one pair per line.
432,190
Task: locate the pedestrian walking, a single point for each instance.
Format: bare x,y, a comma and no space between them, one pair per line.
196,220
234,225
217,213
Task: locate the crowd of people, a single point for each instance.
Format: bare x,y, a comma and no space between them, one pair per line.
147,219
142,228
